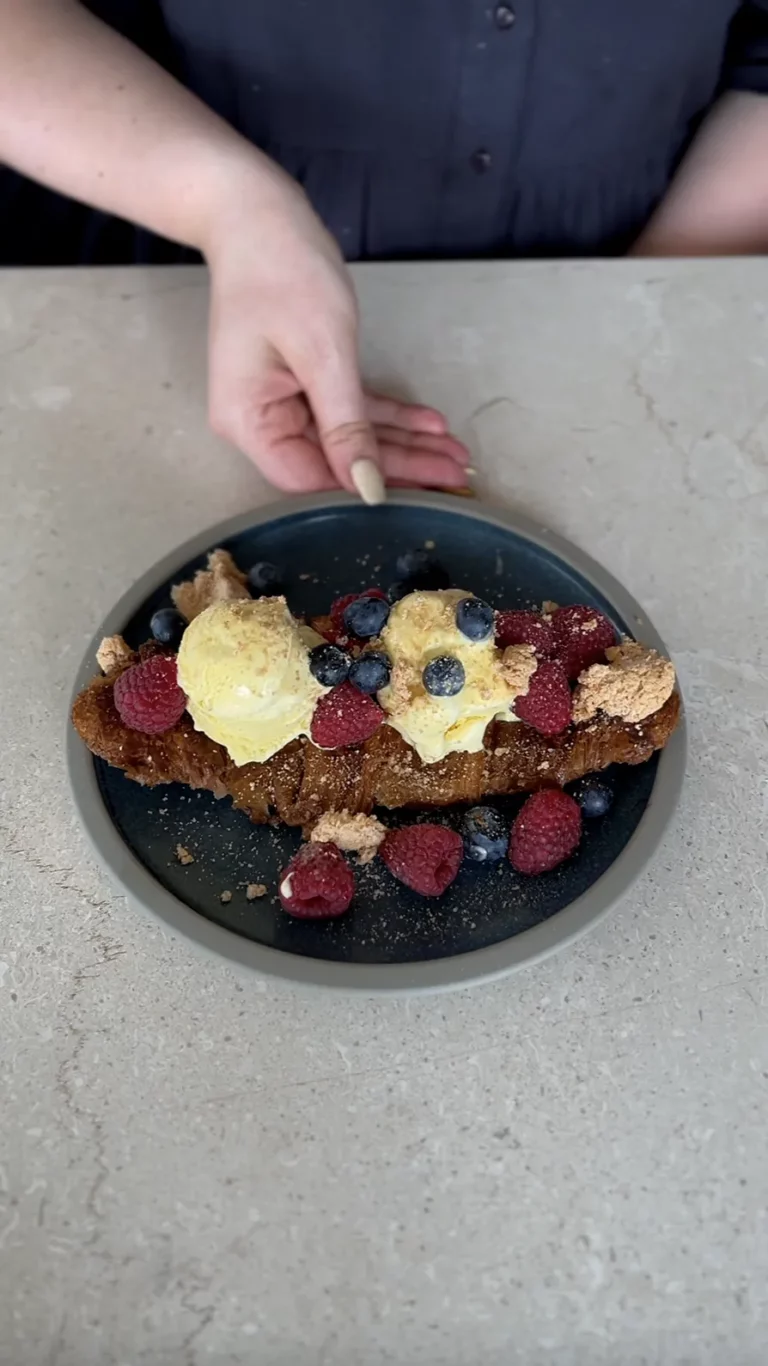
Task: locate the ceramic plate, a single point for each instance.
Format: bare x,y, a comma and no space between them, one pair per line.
491,920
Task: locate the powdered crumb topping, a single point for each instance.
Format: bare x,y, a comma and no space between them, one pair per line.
222,581
353,834
113,653
635,683
518,665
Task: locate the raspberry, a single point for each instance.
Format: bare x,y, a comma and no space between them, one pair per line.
148,697
525,628
345,716
338,633
545,833
425,857
582,636
547,705
317,884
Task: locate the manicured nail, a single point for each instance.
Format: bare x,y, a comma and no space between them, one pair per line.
470,470
366,477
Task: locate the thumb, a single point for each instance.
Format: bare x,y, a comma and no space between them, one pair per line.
335,395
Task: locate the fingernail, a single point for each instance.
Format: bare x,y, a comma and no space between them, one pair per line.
366,477
470,469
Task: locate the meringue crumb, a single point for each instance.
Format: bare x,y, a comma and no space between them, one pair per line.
518,665
183,855
254,891
549,608
635,683
225,897
113,653
222,581
352,834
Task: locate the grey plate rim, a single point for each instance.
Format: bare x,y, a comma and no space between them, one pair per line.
443,974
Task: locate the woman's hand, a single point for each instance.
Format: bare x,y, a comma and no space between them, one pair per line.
87,113
284,373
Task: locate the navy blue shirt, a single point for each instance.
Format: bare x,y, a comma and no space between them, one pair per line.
425,128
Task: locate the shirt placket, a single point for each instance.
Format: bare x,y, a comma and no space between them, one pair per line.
489,110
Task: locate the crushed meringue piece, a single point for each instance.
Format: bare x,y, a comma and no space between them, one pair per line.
254,891
518,665
635,683
113,653
183,854
222,581
225,897
352,834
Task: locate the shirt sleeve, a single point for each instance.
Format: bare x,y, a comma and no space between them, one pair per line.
746,62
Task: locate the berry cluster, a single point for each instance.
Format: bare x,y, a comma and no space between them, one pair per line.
319,884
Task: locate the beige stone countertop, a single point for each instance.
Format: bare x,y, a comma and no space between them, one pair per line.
567,1167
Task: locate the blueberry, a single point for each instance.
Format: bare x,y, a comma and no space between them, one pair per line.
420,570
329,665
265,579
444,676
366,617
398,590
594,797
370,673
430,579
474,618
168,626
485,835
413,562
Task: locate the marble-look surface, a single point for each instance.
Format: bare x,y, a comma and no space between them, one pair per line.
567,1167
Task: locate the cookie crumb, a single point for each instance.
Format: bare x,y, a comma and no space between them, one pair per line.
635,683
352,834
183,854
255,890
518,665
225,897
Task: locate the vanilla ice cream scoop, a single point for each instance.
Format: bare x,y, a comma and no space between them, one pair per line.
422,628
245,669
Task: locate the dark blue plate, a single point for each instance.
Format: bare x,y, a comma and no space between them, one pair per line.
491,919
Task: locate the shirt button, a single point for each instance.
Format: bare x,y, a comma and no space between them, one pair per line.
503,16
480,160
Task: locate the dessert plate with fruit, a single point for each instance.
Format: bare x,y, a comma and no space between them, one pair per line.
386,749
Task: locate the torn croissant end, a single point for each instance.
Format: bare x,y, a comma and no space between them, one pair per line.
113,653
222,581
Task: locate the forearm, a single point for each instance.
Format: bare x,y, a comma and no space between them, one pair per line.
86,113
717,204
